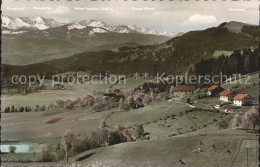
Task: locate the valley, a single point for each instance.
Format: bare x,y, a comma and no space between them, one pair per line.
141,122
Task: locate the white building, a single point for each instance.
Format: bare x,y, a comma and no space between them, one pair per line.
225,95
242,99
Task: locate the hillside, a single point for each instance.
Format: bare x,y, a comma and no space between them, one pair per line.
183,52
40,46
176,56
26,40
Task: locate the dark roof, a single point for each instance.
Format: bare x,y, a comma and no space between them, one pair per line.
185,88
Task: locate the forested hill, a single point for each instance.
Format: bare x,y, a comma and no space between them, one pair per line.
185,51
176,56
243,62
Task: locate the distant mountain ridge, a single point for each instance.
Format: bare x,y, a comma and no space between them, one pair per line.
175,56
26,40
24,24
39,23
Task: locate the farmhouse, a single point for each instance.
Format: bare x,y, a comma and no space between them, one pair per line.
187,89
214,90
226,95
242,99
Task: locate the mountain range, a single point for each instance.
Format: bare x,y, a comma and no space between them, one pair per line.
23,24
26,40
175,56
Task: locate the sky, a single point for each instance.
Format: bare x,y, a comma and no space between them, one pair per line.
174,16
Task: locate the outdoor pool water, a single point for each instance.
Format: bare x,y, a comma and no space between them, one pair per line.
22,147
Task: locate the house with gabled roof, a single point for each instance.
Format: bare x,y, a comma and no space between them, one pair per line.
226,95
187,89
214,90
242,99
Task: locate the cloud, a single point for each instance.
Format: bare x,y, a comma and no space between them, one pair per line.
200,20
60,10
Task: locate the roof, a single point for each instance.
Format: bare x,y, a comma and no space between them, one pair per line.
235,75
225,93
185,88
240,96
212,87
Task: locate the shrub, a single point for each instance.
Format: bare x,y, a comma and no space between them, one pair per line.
223,124
237,120
98,138
47,154
216,111
116,137
181,114
188,100
173,116
139,131
59,152
215,120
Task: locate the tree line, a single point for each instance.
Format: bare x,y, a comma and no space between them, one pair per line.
242,62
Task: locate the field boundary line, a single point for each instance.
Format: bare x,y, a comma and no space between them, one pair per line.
233,159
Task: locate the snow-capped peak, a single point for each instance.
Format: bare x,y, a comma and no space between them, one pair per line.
39,20
76,25
26,22
133,27
21,23
96,26
6,20
144,30
96,23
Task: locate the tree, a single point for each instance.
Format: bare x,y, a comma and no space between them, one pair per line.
139,132
21,109
12,109
223,124
172,89
67,141
252,117
47,154
188,100
12,149
237,120
116,137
